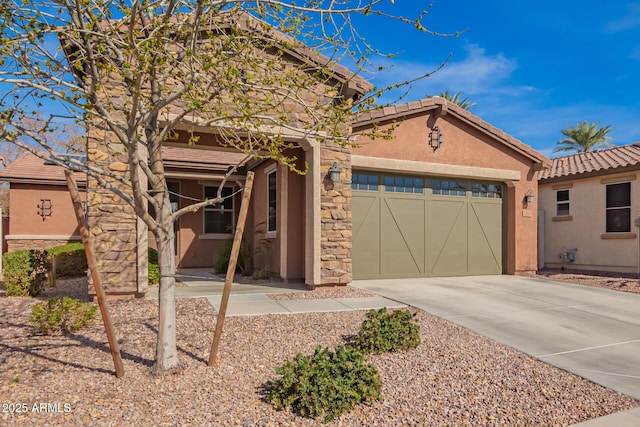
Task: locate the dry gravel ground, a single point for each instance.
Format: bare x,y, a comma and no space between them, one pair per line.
454,378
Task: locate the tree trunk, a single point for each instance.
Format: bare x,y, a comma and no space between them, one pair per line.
167,361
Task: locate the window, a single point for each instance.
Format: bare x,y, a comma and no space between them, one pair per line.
272,202
562,202
491,191
619,208
449,188
363,181
403,184
218,219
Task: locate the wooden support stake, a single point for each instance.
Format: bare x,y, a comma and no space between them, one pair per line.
233,260
95,274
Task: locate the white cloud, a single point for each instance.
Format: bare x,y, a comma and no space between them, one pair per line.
629,21
477,73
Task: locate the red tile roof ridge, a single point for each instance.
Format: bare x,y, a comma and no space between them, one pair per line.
593,161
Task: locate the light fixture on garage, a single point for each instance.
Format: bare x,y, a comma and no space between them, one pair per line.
435,138
529,197
334,173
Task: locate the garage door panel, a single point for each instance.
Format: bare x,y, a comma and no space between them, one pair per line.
403,237
401,229
485,238
366,237
447,237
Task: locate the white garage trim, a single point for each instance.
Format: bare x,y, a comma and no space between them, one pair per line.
410,166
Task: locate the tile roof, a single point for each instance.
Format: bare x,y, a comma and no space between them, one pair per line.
435,103
31,168
593,161
185,157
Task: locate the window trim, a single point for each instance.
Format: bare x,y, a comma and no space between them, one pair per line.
607,208
563,202
269,171
205,235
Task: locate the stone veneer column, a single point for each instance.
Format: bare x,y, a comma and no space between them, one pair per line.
336,247
112,223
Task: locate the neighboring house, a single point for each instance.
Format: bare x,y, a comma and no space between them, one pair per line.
41,212
590,210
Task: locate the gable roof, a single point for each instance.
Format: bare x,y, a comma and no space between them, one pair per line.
597,161
442,107
352,83
31,169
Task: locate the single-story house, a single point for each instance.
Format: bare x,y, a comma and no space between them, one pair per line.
448,194
590,211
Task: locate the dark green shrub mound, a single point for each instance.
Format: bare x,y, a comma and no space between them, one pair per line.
61,315
326,383
25,272
221,263
71,260
382,331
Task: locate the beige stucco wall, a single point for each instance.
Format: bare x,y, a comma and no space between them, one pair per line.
28,230
585,228
467,152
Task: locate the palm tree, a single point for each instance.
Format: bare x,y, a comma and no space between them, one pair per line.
457,99
584,137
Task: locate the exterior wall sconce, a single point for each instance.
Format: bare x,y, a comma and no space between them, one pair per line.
334,173
435,138
529,197
45,208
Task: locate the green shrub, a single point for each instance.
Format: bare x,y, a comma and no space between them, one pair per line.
326,383
221,263
382,331
25,272
71,259
153,269
61,315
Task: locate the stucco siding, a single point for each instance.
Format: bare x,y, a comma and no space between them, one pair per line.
25,216
584,228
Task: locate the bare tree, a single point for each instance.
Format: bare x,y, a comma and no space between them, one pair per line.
136,70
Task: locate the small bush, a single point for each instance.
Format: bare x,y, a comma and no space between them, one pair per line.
221,263
71,259
61,315
154,270
25,272
326,383
382,331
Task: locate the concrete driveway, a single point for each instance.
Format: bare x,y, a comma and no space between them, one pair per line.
594,333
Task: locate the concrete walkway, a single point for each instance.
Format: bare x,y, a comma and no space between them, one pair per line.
252,299
594,333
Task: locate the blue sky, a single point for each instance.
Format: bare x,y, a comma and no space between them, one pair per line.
532,68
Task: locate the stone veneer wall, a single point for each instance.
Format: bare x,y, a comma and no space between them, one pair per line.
112,224
336,231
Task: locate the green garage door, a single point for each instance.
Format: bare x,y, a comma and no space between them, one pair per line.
409,226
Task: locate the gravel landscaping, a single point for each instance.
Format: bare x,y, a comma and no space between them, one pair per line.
454,378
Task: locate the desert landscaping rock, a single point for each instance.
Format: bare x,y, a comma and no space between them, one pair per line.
455,377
